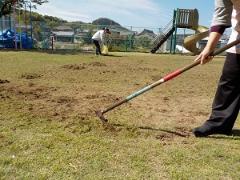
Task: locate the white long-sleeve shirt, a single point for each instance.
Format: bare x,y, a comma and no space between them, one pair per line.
227,13
98,36
236,26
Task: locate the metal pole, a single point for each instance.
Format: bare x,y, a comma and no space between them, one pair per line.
10,22
25,16
52,38
19,26
15,29
2,30
183,39
31,20
174,21
175,34
126,45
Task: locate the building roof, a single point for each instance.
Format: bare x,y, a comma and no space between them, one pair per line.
63,28
63,33
23,26
147,33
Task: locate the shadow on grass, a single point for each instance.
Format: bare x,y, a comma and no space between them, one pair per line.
59,52
73,52
234,136
180,133
236,132
49,51
111,55
65,52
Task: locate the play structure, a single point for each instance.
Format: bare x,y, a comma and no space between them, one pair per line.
15,32
182,18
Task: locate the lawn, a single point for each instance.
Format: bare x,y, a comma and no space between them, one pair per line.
48,127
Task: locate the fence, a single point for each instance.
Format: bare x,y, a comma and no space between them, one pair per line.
76,36
79,37
7,24
15,32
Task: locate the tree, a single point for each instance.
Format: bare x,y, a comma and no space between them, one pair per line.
7,5
143,41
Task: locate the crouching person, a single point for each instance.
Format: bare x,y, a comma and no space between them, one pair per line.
98,38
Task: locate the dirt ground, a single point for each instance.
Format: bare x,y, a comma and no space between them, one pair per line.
75,90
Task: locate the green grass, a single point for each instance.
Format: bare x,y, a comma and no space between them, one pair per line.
48,129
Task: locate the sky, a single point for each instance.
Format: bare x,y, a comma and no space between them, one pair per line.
138,13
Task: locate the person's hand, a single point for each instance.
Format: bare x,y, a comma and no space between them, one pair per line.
204,57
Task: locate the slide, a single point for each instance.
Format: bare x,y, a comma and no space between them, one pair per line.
188,19
161,39
190,42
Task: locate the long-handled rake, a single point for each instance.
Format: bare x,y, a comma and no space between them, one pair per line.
168,77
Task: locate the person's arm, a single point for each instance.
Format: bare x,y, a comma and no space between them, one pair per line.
205,55
221,21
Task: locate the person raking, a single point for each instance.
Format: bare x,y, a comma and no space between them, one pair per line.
226,103
98,38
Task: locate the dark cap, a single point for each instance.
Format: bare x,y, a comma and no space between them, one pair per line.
107,30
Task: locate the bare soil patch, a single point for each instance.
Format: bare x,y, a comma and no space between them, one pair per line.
97,64
27,92
74,66
4,81
30,76
106,81
83,65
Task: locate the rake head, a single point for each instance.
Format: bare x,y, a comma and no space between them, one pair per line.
101,117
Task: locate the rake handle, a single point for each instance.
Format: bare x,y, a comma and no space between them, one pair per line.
218,51
168,77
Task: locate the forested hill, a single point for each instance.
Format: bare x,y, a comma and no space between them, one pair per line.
53,22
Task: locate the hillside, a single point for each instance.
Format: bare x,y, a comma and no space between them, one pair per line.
53,22
105,21
112,24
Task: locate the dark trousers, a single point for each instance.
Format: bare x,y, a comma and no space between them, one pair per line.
98,48
226,104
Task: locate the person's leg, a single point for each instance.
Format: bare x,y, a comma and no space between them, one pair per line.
227,100
96,43
98,48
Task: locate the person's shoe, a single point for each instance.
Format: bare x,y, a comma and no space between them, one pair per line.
204,131
200,132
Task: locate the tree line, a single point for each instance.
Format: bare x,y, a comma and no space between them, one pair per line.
6,6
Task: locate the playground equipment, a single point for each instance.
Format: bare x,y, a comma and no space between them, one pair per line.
14,29
10,39
182,18
6,35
